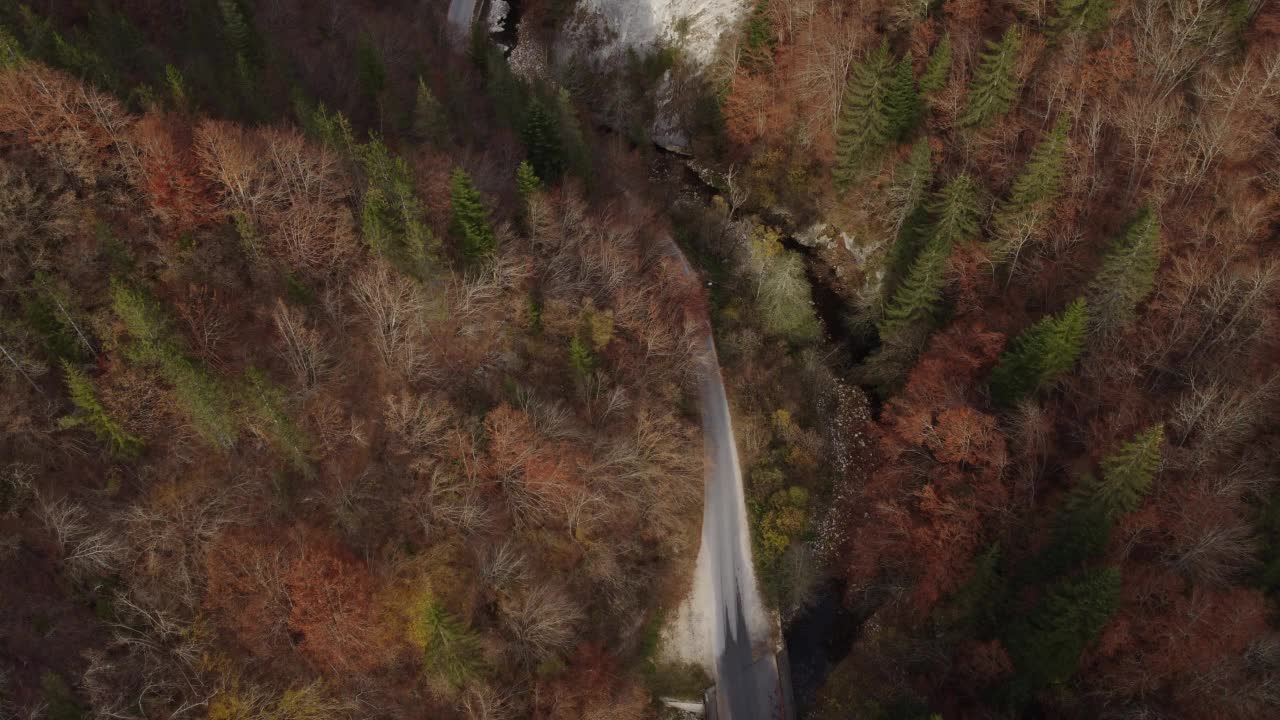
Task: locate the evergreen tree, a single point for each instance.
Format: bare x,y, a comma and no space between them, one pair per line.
451,651
903,101
1127,474
1032,195
430,122
94,415
371,71
392,216
906,193
955,210
581,358
864,127
1127,274
238,29
541,137
758,39
1046,647
917,298
470,217
995,84
1040,355
1087,16
11,54
938,70
527,181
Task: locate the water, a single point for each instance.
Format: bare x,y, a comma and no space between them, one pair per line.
817,640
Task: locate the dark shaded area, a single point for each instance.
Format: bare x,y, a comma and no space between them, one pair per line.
817,640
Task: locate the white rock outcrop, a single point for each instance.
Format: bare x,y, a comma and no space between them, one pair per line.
696,25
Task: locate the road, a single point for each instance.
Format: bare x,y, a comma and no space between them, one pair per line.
461,12
748,685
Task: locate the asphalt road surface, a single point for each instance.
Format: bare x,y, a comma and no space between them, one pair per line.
748,686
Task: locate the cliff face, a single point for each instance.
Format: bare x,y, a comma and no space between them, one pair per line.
697,25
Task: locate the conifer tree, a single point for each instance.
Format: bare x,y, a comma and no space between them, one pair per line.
451,650
527,181
1046,647
864,127
94,415
938,70
372,73
995,84
1127,474
917,299
956,211
470,217
1087,16
1127,274
1040,355
1021,216
392,217
541,139
430,122
910,214
903,100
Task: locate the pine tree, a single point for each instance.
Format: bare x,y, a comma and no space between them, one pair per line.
995,84
1037,187
1046,647
938,71
430,122
864,127
1040,355
955,211
758,39
371,71
917,298
911,216
1127,274
527,181
11,54
1087,16
392,216
451,651
581,358
903,100
541,139
1127,474
93,414
470,217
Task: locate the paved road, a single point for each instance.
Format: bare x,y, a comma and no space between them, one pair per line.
746,670
461,13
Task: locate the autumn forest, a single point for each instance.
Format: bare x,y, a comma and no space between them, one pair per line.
350,361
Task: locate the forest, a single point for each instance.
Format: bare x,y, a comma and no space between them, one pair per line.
348,369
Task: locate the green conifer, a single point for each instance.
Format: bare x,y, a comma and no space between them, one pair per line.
903,101
995,84
527,180
470,217
916,300
451,650
94,415
371,71
938,70
864,128
906,192
1046,647
542,141
11,54
1127,274
238,29
1032,195
1040,355
1127,474
430,122
1087,16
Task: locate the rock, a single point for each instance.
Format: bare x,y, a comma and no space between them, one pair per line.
816,235
696,26
668,125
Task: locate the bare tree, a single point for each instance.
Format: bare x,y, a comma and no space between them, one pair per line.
86,551
542,621
395,307
305,349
